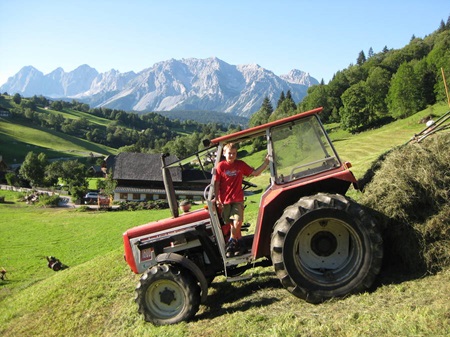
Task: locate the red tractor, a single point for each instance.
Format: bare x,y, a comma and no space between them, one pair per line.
321,243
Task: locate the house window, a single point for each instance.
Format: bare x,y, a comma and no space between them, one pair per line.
136,196
124,196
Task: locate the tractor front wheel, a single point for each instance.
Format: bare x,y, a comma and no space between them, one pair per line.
167,294
326,246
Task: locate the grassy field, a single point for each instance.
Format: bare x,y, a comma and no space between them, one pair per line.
94,297
17,140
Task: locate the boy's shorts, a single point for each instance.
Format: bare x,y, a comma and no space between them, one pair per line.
233,212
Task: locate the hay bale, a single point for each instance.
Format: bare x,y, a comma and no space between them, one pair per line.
411,188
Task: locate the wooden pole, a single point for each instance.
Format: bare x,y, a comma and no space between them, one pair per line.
445,85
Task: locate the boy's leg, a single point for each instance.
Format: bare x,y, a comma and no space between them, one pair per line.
234,212
238,219
237,215
231,245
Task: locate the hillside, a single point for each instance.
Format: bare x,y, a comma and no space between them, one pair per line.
94,297
17,140
71,129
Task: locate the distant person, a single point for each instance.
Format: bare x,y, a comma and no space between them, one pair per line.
55,264
185,206
230,195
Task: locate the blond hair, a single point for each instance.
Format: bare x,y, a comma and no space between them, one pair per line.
230,146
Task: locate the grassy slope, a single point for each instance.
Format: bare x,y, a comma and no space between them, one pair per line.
17,140
75,114
362,149
94,297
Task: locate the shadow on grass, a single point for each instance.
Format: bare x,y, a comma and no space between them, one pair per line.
239,293
339,140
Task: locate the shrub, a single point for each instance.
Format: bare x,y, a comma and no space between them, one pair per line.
143,205
46,200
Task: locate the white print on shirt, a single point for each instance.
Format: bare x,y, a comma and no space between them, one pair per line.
231,173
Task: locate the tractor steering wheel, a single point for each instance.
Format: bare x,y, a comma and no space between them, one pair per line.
246,185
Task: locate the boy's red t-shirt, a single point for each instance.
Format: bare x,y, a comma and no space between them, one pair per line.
230,178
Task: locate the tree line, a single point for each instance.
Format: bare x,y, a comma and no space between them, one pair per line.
379,88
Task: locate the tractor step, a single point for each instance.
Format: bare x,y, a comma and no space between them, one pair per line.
239,278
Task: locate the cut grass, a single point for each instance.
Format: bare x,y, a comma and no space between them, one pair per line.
29,234
95,298
363,149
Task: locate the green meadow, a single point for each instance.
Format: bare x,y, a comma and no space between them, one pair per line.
18,139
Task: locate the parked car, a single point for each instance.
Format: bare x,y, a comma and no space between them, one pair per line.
91,198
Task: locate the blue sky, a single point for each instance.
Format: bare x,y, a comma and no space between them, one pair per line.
319,37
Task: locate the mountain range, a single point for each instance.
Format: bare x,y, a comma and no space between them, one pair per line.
173,85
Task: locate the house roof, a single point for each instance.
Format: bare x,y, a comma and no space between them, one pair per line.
143,166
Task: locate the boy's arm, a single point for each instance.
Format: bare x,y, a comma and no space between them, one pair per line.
263,166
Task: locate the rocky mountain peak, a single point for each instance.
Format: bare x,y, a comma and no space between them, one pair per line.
188,84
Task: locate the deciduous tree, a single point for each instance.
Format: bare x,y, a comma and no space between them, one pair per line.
404,97
33,168
354,113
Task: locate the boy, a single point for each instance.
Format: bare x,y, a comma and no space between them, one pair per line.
185,206
230,195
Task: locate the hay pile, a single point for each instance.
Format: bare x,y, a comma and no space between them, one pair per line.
410,189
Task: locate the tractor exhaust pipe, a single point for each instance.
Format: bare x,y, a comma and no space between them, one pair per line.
168,186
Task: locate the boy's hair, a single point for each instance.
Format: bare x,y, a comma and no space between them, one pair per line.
230,146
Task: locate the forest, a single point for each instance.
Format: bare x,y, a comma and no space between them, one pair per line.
386,86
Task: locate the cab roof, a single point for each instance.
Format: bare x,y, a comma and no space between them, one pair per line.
260,129
242,135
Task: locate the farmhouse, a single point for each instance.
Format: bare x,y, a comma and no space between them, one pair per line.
139,177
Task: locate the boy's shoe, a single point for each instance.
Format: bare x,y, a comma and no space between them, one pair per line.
241,248
231,248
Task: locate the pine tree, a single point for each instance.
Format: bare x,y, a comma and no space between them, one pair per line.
281,99
263,114
361,58
291,102
441,26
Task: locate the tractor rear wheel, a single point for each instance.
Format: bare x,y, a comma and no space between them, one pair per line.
167,294
326,246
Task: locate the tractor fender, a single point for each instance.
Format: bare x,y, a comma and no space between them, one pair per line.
174,258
